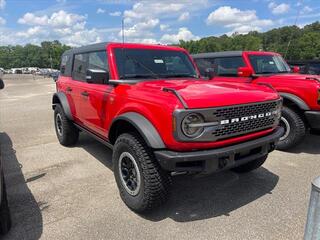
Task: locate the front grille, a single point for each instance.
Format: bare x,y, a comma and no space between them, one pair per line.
251,125
231,121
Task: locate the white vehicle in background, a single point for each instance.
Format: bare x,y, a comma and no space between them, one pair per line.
1,72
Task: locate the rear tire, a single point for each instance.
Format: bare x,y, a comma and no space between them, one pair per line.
250,166
295,129
142,184
67,133
5,220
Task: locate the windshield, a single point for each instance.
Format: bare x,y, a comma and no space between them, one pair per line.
148,63
264,64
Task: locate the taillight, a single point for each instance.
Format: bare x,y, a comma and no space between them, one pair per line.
319,96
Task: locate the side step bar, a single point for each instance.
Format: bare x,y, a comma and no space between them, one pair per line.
100,139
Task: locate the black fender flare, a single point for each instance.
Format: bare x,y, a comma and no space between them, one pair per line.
143,126
297,100
61,98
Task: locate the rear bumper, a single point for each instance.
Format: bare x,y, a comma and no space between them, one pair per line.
218,159
313,118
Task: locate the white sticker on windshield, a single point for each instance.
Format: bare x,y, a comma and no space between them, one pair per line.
158,61
271,62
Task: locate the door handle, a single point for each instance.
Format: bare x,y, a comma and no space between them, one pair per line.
68,89
85,94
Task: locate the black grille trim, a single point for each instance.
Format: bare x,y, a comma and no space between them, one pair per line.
232,128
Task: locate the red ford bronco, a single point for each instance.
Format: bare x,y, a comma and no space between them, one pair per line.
300,93
149,105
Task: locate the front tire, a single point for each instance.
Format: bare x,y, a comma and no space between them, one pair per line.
295,129
250,166
67,133
142,184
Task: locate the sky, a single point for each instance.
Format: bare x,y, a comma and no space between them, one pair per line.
82,22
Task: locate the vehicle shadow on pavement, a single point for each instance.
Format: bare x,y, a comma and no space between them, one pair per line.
25,210
310,144
196,198
96,149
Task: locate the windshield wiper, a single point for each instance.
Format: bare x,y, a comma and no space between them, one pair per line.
138,76
179,75
266,72
142,65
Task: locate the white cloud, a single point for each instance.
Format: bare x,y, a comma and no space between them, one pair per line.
279,9
164,27
67,27
241,21
31,19
163,9
2,21
140,29
306,9
100,10
2,4
184,16
64,19
115,14
166,12
33,31
183,34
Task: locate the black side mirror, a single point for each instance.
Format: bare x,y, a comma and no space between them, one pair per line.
1,84
210,73
97,76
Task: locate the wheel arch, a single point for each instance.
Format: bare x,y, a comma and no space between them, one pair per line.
132,121
61,98
291,99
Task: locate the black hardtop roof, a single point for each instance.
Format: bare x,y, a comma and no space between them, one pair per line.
218,54
87,48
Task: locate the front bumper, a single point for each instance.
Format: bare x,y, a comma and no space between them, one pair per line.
214,160
313,118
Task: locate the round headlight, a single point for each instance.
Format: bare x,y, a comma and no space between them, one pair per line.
189,125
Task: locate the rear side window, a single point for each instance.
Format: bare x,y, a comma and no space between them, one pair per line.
65,65
228,66
98,60
79,67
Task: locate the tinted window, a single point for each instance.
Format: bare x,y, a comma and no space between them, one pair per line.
79,67
314,68
147,63
203,64
268,64
98,60
228,66
302,67
65,65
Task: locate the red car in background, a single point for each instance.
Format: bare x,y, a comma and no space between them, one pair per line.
300,92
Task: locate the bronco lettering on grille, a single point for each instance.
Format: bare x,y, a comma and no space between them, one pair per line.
251,117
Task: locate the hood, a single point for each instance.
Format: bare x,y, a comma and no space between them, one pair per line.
294,76
206,93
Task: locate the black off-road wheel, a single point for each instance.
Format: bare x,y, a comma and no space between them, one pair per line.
5,220
142,184
250,166
295,129
66,132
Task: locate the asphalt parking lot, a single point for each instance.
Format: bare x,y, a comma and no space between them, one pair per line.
56,192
